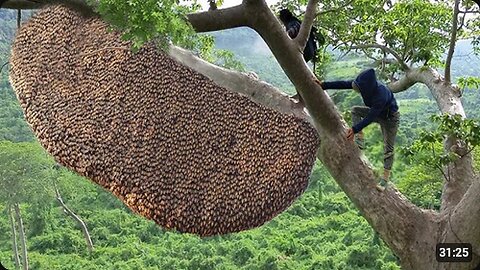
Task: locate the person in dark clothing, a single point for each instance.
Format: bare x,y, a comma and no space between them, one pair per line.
381,107
292,26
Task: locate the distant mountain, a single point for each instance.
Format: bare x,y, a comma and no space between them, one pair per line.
464,61
246,43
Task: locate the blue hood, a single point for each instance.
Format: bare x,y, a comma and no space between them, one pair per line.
375,95
367,82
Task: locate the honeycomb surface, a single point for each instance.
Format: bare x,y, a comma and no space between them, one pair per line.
170,143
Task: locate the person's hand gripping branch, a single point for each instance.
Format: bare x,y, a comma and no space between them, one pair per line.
350,135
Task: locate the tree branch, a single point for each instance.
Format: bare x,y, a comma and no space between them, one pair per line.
21,233
469,11
202,22
466,217
218,19
402,84
14,237
4,64
385,49
260,92
79,221
453,41
306,25
462,22
449,101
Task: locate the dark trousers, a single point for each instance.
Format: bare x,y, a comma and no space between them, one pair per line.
389,128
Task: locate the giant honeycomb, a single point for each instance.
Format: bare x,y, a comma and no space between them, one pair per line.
175,147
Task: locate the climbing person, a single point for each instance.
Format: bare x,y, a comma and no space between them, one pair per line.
381,107
292,26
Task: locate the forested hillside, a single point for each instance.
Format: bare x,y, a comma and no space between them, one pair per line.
322,230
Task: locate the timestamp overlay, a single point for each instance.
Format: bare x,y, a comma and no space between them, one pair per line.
453,252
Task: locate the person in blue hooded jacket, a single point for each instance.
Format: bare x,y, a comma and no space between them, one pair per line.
381,107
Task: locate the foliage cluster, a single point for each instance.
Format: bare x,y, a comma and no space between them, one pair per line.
428,148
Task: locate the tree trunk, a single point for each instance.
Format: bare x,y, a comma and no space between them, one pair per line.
79,221
14,238
23,240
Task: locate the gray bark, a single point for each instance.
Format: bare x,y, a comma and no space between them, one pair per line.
14,238
23,239
453,41
449,101
243,83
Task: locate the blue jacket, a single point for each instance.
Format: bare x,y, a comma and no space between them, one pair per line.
378,97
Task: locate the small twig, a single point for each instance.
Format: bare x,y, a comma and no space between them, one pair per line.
468,152
462,22
385,49
1,68
367,54
444,174
19,18
438,166
469,11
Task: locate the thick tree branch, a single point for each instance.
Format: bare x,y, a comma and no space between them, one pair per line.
263,21
243,83
386,49
453,41
21,4
465,218
307,23
446,95
404,83
449,101
218,19
202,22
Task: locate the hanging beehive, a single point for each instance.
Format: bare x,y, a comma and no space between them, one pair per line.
170,143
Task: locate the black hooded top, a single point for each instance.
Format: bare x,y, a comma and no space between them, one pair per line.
375,95
292,26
